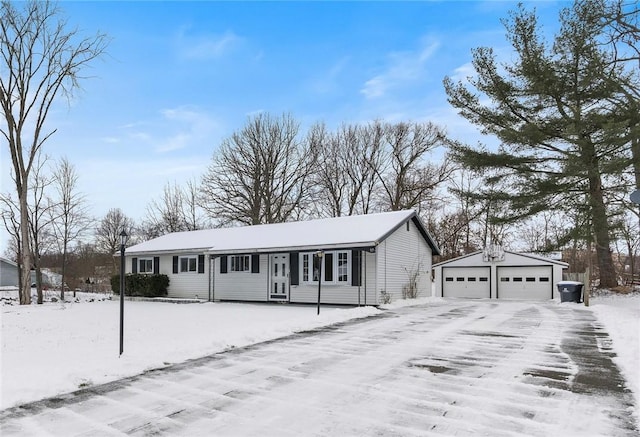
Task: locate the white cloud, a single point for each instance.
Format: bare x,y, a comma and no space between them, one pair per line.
327,81
463,72
193,127
403,67
206,47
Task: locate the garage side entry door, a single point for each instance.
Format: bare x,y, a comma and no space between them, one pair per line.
470,282
525,283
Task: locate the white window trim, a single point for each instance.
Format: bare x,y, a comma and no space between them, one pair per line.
188,258
334,260
246,263
145,260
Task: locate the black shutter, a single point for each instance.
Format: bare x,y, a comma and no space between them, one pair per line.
134,265
223,264
156,265
293,268
175,264
200,263
255,263
328,267
356,272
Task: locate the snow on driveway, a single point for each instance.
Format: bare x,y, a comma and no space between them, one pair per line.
447,368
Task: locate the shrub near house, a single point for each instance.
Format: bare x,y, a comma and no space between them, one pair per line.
141,285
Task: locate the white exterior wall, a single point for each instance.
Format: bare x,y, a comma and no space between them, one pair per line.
401,254
510,260
189,285
339,294
241,285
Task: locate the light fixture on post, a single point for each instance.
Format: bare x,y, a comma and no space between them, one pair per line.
123,244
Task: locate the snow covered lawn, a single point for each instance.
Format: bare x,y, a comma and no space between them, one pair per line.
60,347
620,314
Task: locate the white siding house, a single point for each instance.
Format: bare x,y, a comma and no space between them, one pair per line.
498,275
354,259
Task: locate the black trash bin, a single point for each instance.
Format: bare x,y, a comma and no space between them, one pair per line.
570,291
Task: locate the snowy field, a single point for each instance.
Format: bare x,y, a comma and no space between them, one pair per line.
60,347
620,314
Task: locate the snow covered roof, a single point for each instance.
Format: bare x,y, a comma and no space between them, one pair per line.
8,261
525,255
350,231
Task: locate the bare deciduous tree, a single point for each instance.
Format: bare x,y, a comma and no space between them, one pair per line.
260,174
177,210
11,220
345,174
70,217
107,234
40,217
40,61
407,178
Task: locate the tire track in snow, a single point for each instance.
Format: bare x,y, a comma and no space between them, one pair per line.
453,368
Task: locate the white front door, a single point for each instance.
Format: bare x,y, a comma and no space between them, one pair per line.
279,277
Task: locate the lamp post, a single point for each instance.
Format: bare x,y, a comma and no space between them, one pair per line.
123,243
319,255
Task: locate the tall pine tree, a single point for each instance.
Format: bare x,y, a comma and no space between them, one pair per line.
553,108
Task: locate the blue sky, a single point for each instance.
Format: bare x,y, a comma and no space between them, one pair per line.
181,76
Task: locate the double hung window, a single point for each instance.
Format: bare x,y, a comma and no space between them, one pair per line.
188,264
145,265
240,263
336,267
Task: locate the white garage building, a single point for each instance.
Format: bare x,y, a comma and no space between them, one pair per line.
497,274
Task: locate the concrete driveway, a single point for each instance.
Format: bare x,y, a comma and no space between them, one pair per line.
450,368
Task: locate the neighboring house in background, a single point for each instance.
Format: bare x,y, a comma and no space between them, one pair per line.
50,279
498,274
362,257
8,273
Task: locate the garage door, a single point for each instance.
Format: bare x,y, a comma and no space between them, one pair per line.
466,282
525,283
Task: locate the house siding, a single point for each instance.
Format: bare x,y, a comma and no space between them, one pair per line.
241,285
190,285
8,274
340,294
401,254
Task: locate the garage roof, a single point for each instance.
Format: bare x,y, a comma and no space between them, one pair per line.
524,255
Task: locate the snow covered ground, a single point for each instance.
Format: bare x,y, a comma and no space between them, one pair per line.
60,347
620,314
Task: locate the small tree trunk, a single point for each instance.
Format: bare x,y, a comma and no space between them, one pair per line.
39,282
64,262
25,291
